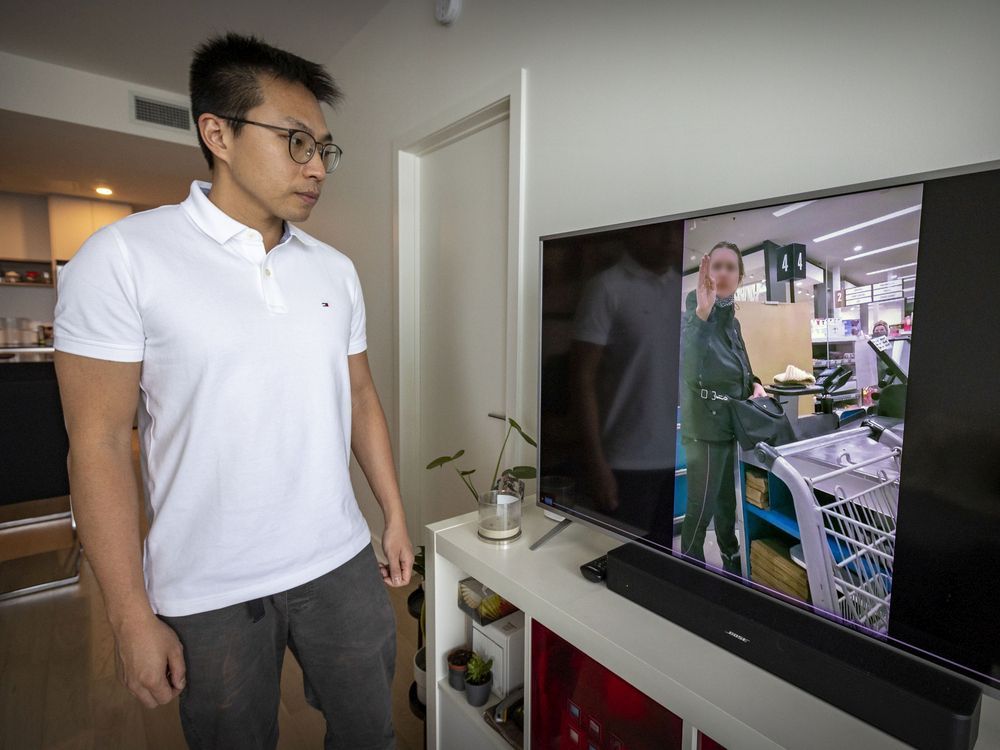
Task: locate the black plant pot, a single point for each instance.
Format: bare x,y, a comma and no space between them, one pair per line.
457,672
477,695
456,677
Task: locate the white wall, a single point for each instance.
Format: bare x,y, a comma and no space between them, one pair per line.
639,109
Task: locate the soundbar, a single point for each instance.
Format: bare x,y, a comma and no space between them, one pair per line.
894,692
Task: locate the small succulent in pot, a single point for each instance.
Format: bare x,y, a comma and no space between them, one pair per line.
478,680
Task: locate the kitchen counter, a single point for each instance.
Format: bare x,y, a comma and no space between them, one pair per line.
22,354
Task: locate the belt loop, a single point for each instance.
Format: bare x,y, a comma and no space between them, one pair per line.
256,607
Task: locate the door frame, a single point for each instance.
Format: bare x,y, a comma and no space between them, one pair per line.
504,99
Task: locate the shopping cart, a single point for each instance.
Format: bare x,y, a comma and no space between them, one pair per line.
845,490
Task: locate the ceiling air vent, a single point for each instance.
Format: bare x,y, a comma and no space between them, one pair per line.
166,114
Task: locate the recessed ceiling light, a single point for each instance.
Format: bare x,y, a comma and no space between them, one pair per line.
793,207
858,247
103,190
894,268
882,249
870,222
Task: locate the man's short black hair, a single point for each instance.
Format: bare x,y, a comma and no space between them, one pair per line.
226,72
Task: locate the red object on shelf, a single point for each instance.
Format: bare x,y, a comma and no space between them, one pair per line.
578,703
707,743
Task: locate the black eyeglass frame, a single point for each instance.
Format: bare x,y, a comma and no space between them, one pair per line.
323,149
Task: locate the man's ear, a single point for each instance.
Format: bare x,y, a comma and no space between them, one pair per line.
216,134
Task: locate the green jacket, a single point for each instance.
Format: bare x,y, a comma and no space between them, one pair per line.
713,358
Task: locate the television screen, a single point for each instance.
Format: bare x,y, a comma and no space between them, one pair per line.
671,348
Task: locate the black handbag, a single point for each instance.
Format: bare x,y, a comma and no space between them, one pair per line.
760,420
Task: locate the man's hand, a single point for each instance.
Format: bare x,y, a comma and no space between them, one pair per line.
150,660
399,552
758,391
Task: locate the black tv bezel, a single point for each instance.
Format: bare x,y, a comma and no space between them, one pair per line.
769,599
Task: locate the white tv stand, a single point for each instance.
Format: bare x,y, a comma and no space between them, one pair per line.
727,698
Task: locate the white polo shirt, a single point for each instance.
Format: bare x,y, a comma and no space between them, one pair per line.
245,408
628,310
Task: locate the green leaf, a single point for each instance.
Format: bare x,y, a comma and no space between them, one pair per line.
527,438
467,472
439,461
523,472
442,460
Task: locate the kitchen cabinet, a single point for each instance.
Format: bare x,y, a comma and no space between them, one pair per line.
73,220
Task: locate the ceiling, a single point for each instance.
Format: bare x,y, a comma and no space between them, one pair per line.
810,222
39,155
143,43
151,43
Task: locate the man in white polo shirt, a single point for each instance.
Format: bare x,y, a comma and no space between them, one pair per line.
246,339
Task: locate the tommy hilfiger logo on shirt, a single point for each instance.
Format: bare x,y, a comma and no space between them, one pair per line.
324,304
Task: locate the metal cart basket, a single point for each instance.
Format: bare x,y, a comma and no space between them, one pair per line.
845,490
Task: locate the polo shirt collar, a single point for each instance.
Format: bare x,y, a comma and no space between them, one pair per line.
219,225
632,266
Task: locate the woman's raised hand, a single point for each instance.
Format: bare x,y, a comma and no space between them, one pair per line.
706,290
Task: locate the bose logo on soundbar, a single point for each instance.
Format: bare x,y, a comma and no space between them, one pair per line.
738,637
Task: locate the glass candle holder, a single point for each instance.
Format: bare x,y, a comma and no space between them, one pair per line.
499,517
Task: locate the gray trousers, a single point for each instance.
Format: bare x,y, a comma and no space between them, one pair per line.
711,496
342,631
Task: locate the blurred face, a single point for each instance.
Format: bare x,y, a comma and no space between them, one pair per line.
272,183
724,268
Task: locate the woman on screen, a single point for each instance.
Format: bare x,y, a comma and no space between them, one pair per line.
715,363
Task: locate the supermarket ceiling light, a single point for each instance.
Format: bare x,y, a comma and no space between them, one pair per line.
894,268
788,209
882,250
869,223
103,190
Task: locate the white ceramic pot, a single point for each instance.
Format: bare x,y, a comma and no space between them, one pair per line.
420,674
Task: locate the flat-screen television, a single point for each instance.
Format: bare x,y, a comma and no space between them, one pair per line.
651,330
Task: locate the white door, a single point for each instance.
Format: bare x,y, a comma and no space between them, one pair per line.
463,314
461,271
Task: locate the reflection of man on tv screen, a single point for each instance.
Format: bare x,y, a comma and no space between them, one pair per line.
622,360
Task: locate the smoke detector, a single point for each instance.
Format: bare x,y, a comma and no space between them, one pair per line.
446,11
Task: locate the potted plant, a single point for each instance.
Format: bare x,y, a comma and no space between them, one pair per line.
415,601
500,505
458,661
517,472
420,673
417,606
478,680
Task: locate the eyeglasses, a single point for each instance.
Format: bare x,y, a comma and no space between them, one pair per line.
301,146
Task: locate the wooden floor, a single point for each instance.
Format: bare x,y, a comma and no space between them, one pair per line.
58,687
